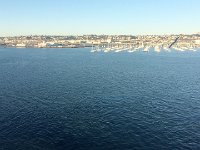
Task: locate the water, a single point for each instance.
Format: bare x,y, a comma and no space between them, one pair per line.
55,99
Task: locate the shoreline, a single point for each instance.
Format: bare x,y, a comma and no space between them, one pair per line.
43,47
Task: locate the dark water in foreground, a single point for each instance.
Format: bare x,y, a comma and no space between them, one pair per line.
71,99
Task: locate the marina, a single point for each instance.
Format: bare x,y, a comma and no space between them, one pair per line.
131,48
108,43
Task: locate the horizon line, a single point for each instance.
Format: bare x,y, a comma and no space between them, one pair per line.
101,35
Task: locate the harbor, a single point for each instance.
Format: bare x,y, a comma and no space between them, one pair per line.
108,43
177,44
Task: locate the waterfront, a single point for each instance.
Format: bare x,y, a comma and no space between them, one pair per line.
107,43
74,99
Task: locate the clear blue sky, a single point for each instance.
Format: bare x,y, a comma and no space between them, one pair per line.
64,17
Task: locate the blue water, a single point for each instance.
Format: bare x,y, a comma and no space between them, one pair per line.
56,99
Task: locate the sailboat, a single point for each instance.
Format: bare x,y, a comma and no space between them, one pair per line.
146,49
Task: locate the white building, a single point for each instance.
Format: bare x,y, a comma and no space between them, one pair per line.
43,44
197,41
21,45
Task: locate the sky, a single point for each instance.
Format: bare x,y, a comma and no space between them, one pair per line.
78,17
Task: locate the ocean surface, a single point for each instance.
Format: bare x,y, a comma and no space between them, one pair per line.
71,99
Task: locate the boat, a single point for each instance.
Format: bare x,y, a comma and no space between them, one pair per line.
179,49
157,49
146,49
166,48
92,51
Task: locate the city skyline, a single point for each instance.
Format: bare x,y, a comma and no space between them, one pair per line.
112,17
